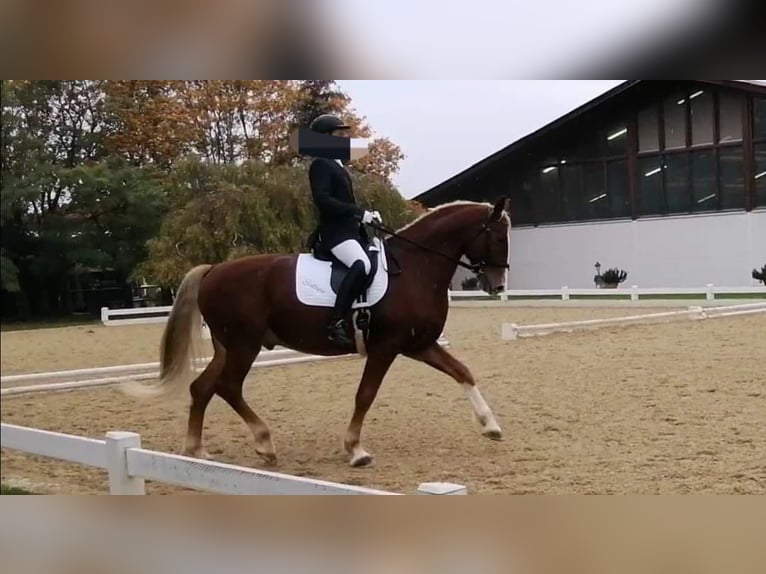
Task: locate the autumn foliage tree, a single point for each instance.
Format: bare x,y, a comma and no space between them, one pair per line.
144,178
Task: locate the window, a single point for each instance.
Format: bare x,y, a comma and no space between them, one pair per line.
704,196
550,203
648,130
595,203
650,176
590,146
760,175
675,122
677,183
618,188
702,117
616,140
571,178
730,112
522,206
731,178
759,118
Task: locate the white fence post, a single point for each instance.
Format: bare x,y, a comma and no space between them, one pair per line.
634,292
104,314
709,294
442,488
565,293
120,482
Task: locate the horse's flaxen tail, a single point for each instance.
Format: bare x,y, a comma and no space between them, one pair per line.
181,341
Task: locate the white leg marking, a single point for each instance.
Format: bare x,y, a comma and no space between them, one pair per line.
482,411
359,456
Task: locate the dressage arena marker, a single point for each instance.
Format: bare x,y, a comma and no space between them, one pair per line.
41,382
513,331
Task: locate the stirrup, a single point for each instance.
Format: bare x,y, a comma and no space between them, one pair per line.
336,333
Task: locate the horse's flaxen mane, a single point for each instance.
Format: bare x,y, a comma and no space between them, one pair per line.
440,208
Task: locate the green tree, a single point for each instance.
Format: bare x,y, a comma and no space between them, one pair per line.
224,212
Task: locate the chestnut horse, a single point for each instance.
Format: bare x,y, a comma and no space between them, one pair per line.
251,302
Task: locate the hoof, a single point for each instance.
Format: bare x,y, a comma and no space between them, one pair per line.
493,434
268,457
361,461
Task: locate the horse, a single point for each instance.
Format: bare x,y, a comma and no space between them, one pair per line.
251,303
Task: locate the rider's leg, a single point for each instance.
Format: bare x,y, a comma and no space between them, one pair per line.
351,254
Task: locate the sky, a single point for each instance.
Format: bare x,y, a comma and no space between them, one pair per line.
445,126
504,39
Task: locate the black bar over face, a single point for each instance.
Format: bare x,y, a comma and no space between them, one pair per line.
306,142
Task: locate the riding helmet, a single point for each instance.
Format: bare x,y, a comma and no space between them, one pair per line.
326,123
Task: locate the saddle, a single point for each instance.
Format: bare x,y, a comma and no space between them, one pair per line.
339,270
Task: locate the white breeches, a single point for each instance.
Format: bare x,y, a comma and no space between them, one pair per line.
349,252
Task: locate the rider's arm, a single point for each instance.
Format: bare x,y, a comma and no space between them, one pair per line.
320,178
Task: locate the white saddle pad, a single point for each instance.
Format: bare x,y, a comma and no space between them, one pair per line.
313,276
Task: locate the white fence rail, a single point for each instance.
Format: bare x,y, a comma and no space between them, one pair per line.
129,466
83,378
635,293
513,331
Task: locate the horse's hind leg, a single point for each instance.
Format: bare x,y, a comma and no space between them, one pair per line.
202,390
239,359
438,358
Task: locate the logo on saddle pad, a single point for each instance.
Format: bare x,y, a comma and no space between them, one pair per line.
317,281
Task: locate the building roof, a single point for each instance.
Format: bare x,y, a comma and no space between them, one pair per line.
757,86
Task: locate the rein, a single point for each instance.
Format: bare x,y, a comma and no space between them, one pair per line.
476,268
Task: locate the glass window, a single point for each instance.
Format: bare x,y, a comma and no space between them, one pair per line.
650,181
730,111
618,188
675,122
704,195
648,130
759,118
595,203
522,207
550,203
590,146
677,183
732,180
616,140
702,117
571,178
760,175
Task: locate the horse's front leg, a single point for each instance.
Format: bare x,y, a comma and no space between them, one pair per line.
374,371
437,357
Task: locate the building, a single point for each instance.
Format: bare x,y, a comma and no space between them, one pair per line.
665,179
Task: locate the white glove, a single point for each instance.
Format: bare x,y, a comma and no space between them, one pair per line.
370,216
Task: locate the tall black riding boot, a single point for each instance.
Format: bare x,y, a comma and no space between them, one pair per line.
347,292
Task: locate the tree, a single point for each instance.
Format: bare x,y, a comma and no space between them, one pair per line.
66,204
228,211
320,97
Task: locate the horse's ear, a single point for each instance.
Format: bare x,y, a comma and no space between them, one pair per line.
502,205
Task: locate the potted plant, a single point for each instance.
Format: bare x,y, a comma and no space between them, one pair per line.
610,279
760,275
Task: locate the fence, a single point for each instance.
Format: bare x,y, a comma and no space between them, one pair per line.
633,293
512,331
128,467
83,378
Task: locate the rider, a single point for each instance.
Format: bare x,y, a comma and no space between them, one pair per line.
340,225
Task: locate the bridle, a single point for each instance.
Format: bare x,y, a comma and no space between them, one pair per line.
477,267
